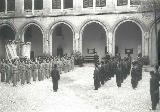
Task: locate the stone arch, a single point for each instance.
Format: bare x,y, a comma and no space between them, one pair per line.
39,27
104,26
8,31
11,25
139,23
51,29
27,24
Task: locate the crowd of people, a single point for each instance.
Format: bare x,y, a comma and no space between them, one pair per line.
24,70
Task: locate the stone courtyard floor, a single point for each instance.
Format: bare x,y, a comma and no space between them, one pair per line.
76,94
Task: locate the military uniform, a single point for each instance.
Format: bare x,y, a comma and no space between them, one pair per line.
8,72
3,72
14,72
55,77
96,79
154,90
23,73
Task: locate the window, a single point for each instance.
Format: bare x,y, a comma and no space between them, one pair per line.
2,5
87,3
135,2
56,4
100,3
10,5
122,2
27,4
68,4
38,4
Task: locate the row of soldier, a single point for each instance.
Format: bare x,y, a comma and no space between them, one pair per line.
109,68
24,71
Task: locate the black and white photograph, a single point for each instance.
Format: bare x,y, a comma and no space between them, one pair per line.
79,55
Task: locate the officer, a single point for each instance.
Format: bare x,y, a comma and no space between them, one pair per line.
55,77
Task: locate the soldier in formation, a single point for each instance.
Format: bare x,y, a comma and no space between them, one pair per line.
25,71
115,66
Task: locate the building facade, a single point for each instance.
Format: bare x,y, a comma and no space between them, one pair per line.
78,25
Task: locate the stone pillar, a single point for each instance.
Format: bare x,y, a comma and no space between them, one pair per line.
110,46
94,5
5,7
45,44
62,3
50,44
76,42
32,6
146,44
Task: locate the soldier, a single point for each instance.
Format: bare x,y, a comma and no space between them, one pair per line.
8,71
96,78
28,72
55,77
102,73
23,72
119,74
39,71
134,75
72,62
3,71
34,71
14,72
154,90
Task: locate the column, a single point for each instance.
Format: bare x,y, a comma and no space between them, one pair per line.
110,44
45,44
5,7
33,7
94,5
76,42
146,44
62,3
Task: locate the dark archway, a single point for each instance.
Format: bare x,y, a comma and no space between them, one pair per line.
6,33
34,35
94,37
128,36
62,40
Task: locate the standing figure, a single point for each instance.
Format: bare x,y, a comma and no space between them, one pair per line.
55,77
96,78
119,74
135,75
154,90
14,72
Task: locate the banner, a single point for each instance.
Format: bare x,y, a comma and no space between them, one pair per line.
11,50
25,50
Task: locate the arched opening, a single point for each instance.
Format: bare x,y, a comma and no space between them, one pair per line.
62,40
128,37
94,39
6,33
34,35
